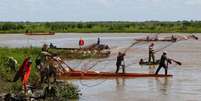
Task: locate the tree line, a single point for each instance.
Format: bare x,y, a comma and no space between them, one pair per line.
101,27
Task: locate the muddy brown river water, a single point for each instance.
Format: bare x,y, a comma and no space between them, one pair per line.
185,85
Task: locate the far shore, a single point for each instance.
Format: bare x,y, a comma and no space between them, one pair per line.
9,33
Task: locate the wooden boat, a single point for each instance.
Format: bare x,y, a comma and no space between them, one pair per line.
89,47
49,33
101,75
99,51
172,38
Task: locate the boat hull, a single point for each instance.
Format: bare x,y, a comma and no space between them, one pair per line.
169,40
100,75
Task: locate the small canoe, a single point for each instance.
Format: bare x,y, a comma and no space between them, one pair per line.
94,74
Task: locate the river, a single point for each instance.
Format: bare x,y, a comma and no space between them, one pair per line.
185,85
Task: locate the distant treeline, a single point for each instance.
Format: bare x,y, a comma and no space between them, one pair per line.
101,27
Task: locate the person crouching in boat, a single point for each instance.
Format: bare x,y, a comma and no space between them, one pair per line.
163,63
120,62
151,53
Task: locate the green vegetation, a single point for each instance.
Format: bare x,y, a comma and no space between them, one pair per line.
19,54
68,91
6,75
100,27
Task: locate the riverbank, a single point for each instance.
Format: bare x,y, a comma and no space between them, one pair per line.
68,90
102,27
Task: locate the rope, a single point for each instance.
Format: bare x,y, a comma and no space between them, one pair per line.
99,61
98,83
164,47
87,85
137,42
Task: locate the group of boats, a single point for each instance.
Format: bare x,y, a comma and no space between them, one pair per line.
105,49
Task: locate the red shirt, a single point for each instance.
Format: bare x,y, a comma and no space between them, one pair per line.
81,42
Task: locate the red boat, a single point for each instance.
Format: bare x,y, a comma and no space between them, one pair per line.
101,75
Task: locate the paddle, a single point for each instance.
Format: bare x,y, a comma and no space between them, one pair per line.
177,62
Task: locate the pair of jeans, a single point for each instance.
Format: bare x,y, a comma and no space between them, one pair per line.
118,67
160,66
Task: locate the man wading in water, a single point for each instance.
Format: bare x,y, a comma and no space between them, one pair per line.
120,62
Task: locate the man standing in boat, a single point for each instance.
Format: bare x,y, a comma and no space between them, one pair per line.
151,53
163,63
120,62
98,41
173,38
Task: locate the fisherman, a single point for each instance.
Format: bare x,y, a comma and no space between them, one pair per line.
147,38
98,41
81,42
24,73
163,63
42,62
45,48
27,72
51,69
151,53
120,62
156,37
12,63
52,46
173,38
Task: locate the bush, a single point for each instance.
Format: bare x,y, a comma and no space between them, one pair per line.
68,91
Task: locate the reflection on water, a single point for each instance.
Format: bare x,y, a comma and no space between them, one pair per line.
152,69
120,83
162,85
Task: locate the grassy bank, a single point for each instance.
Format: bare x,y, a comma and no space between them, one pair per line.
6,75
19,54
103,27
